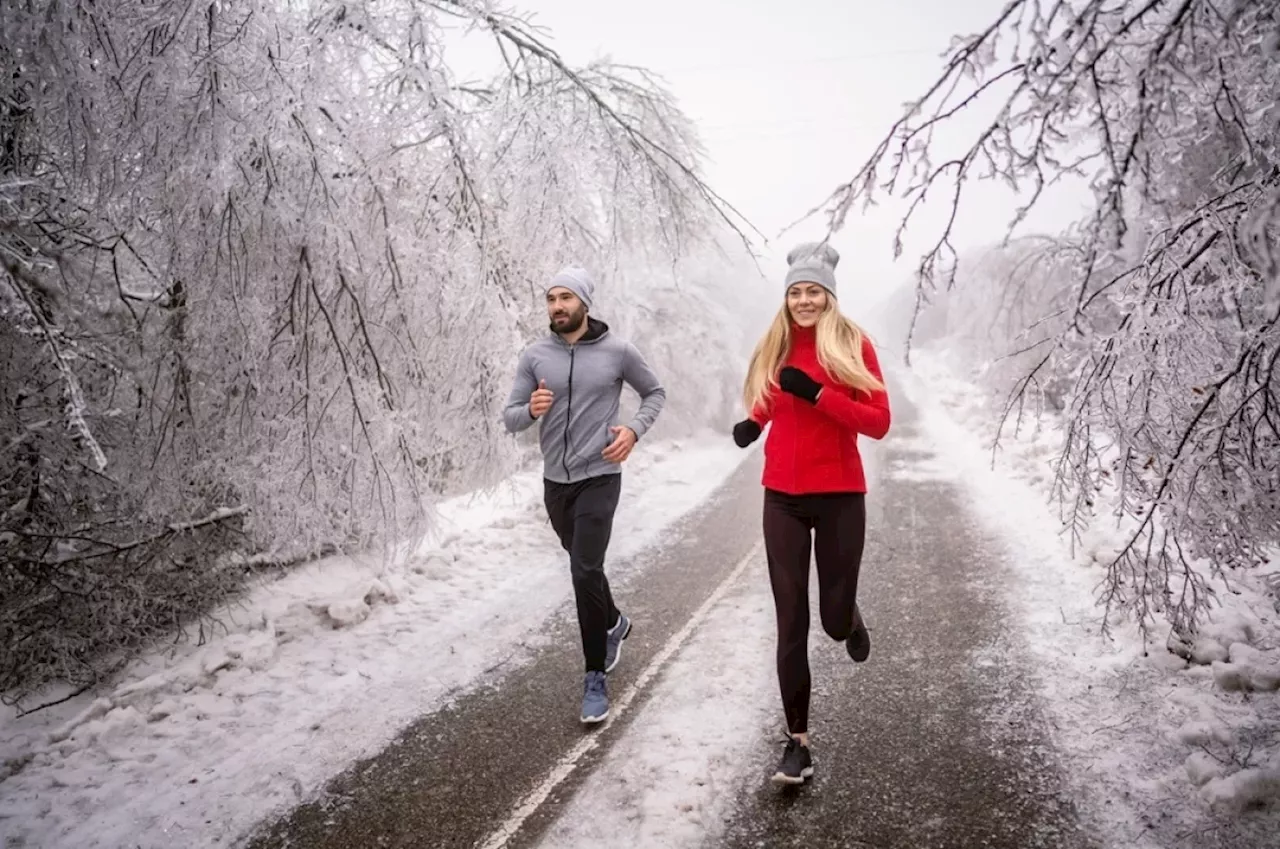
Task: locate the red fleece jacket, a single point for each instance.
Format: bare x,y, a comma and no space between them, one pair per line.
813,448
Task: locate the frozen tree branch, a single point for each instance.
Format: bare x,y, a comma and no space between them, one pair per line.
1156,324
277,255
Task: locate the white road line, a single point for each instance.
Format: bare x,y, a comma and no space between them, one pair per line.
567,764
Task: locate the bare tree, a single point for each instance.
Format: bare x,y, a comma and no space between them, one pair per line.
266,267
1168,332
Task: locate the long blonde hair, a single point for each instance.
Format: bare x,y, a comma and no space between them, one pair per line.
839,351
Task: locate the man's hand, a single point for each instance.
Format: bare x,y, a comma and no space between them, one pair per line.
540,401
624,439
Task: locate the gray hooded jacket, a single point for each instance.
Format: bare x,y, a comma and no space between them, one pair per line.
586,379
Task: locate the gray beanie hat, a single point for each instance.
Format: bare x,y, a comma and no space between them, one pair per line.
576,280
813,262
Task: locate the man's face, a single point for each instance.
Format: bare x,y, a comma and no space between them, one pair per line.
565,310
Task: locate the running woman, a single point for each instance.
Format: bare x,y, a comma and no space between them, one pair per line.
816,378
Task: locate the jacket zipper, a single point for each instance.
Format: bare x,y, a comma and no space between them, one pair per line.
568,413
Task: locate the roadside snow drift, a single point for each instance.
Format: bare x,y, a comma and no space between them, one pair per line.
195,744
1169,743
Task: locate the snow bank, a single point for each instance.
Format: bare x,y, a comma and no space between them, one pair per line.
1163,741
197,743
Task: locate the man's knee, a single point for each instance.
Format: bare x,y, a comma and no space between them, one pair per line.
590,544
586,561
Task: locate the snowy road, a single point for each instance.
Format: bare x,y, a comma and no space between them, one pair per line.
431,701
453,777
937,741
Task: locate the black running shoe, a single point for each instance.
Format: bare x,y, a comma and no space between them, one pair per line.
796,765
859,642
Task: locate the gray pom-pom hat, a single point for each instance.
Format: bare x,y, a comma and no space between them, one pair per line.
813,262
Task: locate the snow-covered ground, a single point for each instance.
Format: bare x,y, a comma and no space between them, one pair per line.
673,778
196,744
1165,751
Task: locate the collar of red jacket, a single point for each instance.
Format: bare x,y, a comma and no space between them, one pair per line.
803,334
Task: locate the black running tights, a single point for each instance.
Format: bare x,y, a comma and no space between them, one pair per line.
834,526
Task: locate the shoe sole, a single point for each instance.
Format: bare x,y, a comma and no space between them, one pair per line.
617,657
595,720
805,775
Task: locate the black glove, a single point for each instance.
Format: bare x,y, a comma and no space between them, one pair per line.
746,432
799,384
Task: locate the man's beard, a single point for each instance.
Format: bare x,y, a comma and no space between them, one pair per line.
568,322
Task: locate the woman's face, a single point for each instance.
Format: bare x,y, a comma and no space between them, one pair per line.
806,302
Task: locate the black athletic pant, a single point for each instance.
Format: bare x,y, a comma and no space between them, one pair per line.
835,526
582,515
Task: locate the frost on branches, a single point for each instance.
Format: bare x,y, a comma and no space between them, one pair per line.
1153,324
267,268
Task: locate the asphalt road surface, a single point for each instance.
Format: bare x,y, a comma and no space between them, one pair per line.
936,741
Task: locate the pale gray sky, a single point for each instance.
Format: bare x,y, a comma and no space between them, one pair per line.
790,97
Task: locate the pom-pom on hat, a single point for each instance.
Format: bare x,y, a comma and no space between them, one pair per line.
813,262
